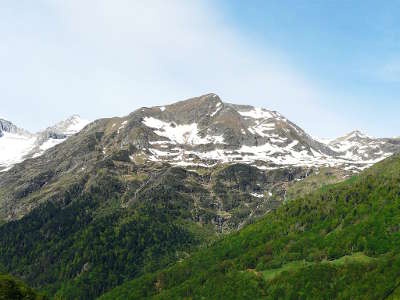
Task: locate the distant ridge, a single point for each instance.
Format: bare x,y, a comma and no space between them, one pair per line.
17,144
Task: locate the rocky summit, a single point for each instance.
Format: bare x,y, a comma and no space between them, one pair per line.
207,131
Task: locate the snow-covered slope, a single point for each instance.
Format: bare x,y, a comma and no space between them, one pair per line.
359,147
13,147
17,144
205,131
57,133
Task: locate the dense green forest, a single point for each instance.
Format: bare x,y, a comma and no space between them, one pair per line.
342,242
13,289
87,246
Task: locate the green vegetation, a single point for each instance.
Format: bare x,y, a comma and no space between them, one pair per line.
13,289
121,221
295,266
317,179
90,244
341,242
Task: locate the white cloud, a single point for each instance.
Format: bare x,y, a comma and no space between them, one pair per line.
102,58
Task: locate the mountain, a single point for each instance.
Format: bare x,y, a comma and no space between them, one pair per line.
206,131
202,135
125,197
340,242
18,144
360,147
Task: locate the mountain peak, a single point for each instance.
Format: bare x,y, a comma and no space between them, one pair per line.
7,126
73,118
205,130
192,110
69,126
356,134
197,102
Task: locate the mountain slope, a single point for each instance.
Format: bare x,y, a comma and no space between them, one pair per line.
340,242
88,243
17,144
119,220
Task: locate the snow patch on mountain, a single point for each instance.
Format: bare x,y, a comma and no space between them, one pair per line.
257,113
180,134
50,143
72,125
13,148
17,144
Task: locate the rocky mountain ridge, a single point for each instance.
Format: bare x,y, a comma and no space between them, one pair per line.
200,135
206,131
17,144
7,126
360,147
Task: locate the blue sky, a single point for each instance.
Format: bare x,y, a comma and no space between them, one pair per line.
349,48
329,66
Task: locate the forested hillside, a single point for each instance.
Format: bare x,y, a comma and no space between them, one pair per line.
13,289
340,242
80,250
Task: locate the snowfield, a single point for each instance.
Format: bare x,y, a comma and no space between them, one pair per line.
15,147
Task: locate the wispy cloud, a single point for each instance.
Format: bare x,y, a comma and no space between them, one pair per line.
102,58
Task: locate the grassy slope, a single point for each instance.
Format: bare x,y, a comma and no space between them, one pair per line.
340,242
316,180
